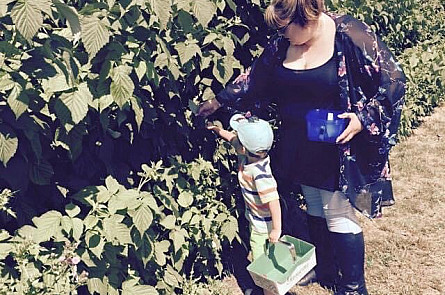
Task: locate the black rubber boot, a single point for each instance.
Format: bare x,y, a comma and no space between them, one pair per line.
326,272
350,256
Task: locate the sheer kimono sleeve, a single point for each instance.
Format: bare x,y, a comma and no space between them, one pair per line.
252,86
378,82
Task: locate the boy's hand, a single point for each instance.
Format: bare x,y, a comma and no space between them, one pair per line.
214,128
274,235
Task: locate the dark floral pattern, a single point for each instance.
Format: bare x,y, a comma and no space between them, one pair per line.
372,85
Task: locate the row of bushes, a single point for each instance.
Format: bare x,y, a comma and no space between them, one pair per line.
149,239
90,90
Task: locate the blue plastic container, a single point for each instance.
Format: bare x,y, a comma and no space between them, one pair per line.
324,125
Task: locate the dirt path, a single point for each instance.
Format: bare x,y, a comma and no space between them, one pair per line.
404,249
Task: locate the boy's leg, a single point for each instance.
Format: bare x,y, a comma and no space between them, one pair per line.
258,247
257,243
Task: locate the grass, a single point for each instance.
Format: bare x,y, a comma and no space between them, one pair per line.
404,249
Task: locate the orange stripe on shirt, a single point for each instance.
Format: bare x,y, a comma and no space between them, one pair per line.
267,191
247,177
257,206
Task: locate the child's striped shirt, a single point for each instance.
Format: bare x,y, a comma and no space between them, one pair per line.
259,188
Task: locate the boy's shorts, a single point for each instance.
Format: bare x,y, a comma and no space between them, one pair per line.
258,243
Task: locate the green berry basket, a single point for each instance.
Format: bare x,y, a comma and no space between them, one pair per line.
283,264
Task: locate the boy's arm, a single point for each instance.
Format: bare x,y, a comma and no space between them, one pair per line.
275,212
228,136
224,134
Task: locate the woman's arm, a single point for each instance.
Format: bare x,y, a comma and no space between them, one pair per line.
378,81
252,85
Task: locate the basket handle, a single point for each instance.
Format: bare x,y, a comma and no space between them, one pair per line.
289,245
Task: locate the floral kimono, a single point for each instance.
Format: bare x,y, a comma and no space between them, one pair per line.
371,84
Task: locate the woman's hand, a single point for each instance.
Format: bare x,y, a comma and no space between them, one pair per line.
208,107
354,127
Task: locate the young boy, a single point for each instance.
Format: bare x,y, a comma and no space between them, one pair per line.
252,141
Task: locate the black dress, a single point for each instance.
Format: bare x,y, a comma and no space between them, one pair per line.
306,162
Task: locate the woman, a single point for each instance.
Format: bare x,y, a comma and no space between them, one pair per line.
334,62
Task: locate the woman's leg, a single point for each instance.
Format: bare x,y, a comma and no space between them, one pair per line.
347,241
326,269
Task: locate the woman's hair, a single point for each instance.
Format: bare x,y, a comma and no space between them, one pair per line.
280,12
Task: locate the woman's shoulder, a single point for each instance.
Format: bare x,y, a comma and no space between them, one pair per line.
347,23
275,50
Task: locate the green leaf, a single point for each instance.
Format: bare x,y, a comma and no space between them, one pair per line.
95,285
172,277
185,199
187,51
122,233
160,248
111,3
178,238
141,70
6,83
122,87
183,4
210,38
114,230
27,17
48,224
196,219
223,69
103,195
41,172
18,100
66,223
72,210
90,221
93,241
77,228
230,228
55,84
136,105
132,287
145,249
185,218
8,145
5,248
95,33
142,218
168,222
111,184
70,14
95,244
162,9
71,108
4,235
148,199
229,46
204,10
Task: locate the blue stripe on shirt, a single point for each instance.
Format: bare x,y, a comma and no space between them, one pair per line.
244,190
268,218
261,176
261,218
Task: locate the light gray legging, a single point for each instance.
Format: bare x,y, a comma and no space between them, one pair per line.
334,207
